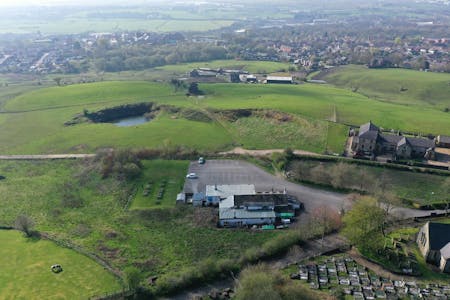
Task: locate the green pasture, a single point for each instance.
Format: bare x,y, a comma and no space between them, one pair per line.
35,123
261,67
160,240
407,87
159,174
25,271
260,133
335,137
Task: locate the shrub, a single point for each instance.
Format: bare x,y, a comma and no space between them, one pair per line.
132,277
25,224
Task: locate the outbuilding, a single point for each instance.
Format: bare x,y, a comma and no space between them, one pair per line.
280,79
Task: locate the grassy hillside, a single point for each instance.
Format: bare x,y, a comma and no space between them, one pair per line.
26,271
36,121
395,85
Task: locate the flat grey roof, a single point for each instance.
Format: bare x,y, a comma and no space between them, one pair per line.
232,213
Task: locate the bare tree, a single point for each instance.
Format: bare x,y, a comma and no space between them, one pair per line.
326,219
58,80
24,224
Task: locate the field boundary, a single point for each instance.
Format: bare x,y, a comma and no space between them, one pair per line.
93,256
46,156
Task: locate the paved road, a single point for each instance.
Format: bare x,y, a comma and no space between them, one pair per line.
46,156
240,172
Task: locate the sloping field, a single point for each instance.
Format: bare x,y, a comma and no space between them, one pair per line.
402,86
36,120
25,271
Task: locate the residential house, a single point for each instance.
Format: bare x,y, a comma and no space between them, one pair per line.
370,141
434,244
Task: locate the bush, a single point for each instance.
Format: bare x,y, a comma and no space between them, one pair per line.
25,224
132,277
258,282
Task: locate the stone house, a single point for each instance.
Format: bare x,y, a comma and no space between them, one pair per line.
370,141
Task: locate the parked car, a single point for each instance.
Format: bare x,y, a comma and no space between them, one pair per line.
201,160
191,176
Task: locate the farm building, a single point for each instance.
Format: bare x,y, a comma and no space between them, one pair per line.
443,141
256,209
230,217
434,244
248,78
181,198
280,79
215,193
203,73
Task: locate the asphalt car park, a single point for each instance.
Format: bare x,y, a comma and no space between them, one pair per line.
228,172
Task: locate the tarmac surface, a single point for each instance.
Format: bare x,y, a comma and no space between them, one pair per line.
223,172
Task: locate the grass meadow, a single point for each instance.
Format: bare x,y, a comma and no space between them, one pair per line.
159,174
157,239
25,271
39,125
400,86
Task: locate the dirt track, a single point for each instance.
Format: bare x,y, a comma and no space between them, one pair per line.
46,156
242,151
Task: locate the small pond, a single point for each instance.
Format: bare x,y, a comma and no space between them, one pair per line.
131,121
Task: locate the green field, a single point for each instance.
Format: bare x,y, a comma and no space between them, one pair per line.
159,174
401,86
39,127
260,67
80,25
160,240
25,271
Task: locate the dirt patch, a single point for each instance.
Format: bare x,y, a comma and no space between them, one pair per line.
195,115
274,115
148,265
234,114
379,270
108,252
